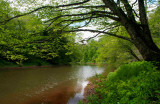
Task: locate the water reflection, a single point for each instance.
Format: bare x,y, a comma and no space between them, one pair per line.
45,85
79,95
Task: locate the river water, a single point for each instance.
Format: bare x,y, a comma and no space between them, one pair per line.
45,85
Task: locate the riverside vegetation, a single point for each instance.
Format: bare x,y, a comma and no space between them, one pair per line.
134,83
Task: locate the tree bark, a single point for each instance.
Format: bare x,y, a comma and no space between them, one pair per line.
133,54
148,53
147,48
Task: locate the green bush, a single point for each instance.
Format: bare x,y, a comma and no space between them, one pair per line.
134,83
125,72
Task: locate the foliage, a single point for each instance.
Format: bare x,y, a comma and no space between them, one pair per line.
23,39
90,52
154,23
114,51
134,83
109,50
4,63
40,34
77,54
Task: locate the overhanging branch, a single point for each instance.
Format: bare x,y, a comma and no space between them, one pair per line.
83,19
97,31
43,7
92,36
84,14
82,7
72,21
128,9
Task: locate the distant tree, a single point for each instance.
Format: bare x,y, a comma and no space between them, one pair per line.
90,51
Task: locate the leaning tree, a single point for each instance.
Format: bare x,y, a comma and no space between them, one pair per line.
129,14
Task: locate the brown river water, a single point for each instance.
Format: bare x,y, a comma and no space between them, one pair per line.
45,85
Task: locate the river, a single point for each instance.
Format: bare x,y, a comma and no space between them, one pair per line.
45,85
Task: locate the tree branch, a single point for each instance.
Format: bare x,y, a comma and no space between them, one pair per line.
81,14
142,12
98,34
81,7
91,37
75,20
90,19
97,31
144,22
133,54
134,3
81,19
116,10
128,9
39,8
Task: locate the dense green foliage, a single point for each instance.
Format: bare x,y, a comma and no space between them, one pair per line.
23,40
154,23
89,52
114,52
134,83
109,50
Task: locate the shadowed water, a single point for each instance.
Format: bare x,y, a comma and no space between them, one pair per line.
45,85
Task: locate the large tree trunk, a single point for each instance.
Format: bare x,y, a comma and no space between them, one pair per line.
148,53
143,41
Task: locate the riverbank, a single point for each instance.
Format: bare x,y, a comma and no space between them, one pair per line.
26,67
33,63
4,64
134,83
90,88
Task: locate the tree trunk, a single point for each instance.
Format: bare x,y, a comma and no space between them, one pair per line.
147,53
133,54
145,45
